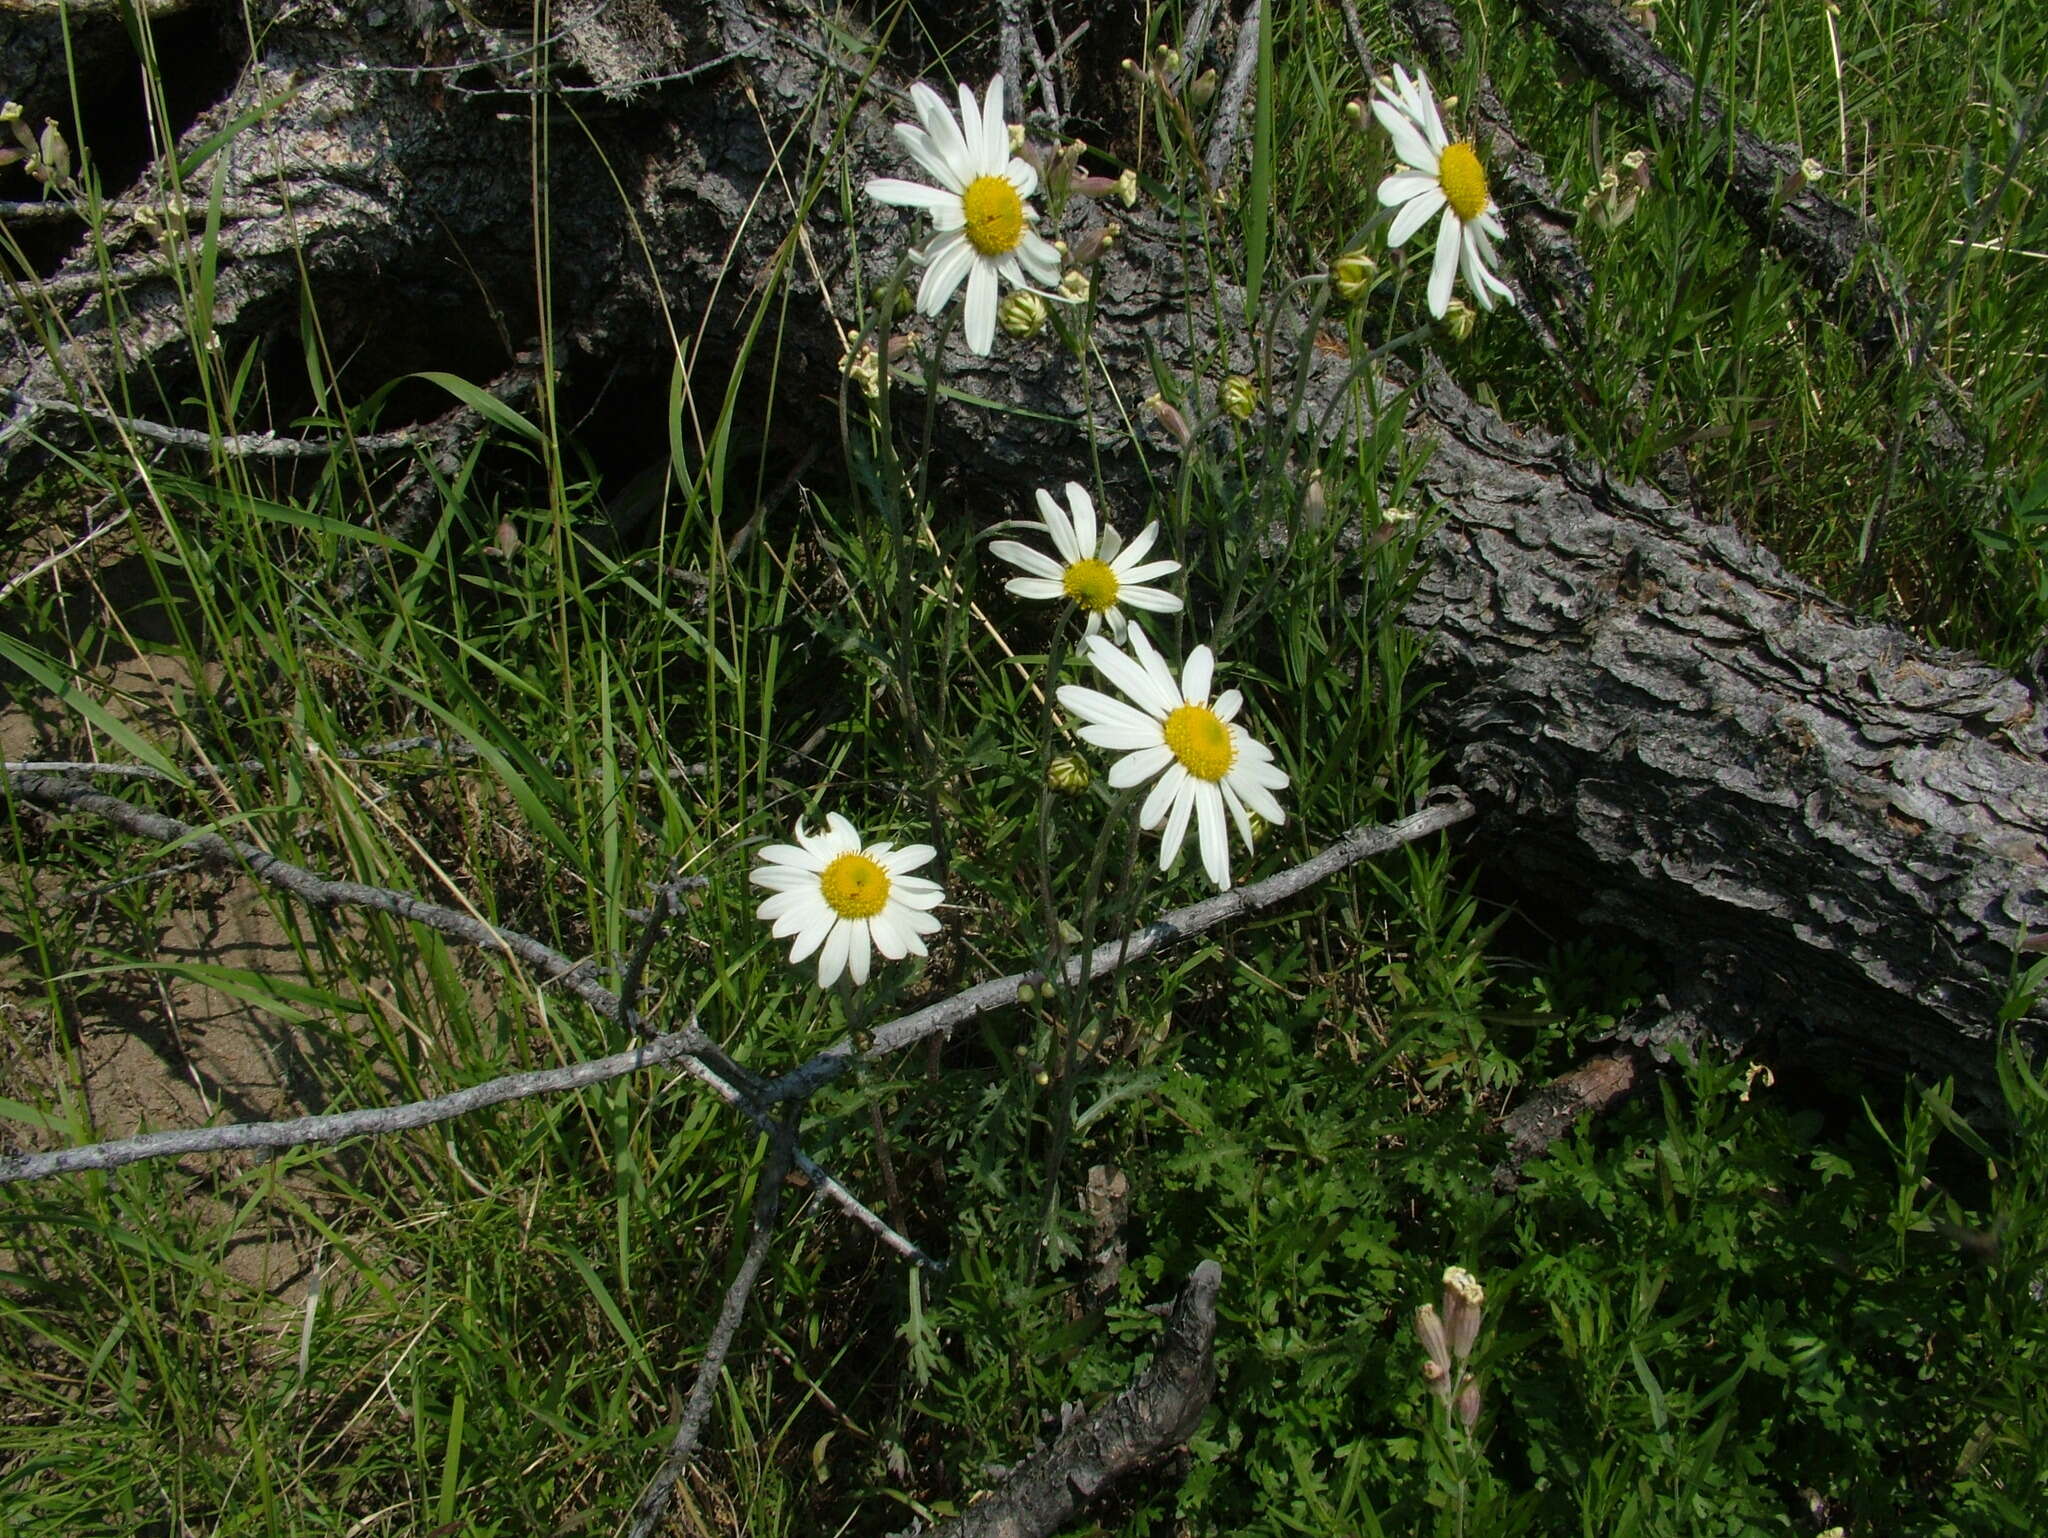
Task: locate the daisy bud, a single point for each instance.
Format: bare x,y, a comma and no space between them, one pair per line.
1353,275
1260,827
1016,138
1429,1329
1127,187
1459,320
10,114
1168,59
1467,1404
1315,504
1464,1307
56,154
1240,397
1089,249
1026,994
1022,314
1169,417
1076,287
1355,110
1202,89
1637,164
1069,774
1810,168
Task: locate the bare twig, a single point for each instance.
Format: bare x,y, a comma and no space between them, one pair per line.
1236,87
58,558
265,445
653,1502
1159,1410
368,753
1555,1108
307,1131
1352,25
1010,52
1360,844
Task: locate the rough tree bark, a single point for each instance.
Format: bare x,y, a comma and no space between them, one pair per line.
1818,824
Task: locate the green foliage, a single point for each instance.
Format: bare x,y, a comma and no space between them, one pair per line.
1734,1306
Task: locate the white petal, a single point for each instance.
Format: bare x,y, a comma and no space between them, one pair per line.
1117,623
845,837
1227,704
808,939
1024,558
780,903
1409,143
945,132
1215,838
1476,275
1402,186
898,862
1417,212
1177,824
1445,267
1100,709
891,938
1161,796
1238,814
1157,670
859,951
1040,258
902,194
970,131
832,958
918,145
951,258
995,133
1128,557
1083,506
1259,799
1132,677
1120,739
1138,767
1196,676
1061,528
1151,599
1038,589
1020,173
981,308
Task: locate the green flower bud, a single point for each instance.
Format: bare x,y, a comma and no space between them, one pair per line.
1022,314
1459,320
1353,276
1240,397
1069,774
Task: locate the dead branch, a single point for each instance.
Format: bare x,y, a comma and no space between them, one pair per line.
1596,1085
1157,1412
1364,843
312,1131
653,1502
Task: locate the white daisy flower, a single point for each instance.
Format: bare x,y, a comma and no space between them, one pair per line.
1204,760
1440,175
982,225
842,899
1099,572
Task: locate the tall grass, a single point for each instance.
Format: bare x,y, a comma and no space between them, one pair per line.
1739,1305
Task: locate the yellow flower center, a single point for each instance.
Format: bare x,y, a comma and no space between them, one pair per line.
1201,741
995,215
1092,585
854,887
1463,179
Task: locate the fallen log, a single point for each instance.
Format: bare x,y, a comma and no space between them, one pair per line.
1821,828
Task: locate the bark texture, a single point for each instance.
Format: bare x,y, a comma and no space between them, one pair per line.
1818,824
1158,1411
